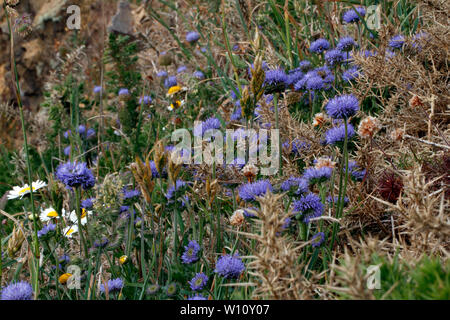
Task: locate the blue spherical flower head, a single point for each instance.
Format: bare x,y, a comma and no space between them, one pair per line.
124,92
335,199
352,16
294,76
191,251
334,57
114,285
397,42
317,239
210,123
21,290
130,193
342,107
170,81
319,46
336,135
199,75
295,186
75,174
308,206
46,230
350,74
317,175
197,297
67,150
305,65
192,37
199,281
296,147
355,171
275,81
346,44
181,69
229,267
90,133
162,74
249,191
314,83
145,100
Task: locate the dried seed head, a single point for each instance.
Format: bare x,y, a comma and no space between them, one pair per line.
324,162
415,102
15,242
397,134
369,127
319,119
237,219
250,171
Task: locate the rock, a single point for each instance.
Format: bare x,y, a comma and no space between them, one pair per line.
48,10
122,21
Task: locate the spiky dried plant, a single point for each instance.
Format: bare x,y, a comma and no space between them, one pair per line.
274,259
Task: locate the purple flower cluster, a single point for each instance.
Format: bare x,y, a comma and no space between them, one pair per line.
346,44
210,123
317,79
192,36
319,46
337,134
295,185
124,92
170,81
113,285
75,174
198,281
229,267
46,229
191,251
334,57
145,100
275,81
308,206
317,175
317,239
351,74
197,297
352,16
397,42
130,194
21,290
87,203
199,75
342,107
249,191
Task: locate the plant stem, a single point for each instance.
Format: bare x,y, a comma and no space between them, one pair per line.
78,212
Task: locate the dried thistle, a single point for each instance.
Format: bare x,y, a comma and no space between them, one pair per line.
16,240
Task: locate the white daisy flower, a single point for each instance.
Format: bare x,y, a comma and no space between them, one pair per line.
70,230
17,191
48,214
72,216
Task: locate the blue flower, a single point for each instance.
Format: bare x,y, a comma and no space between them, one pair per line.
355,171
170,81
352,16
229,267
296,147
75,174
81,129
191,251
397,42
145,100
315,83
129,194
350,74
314,175
317,239
335,199
46,229
199,75
337,134
21,290
295,185
342,107
334,57
113,285
124,92
199,281
346,44
192,36
249,191
67,150
181,69
90,133
210,123
275,80
97,89
294,76
319,45
305,65
162,74
308,206
175,190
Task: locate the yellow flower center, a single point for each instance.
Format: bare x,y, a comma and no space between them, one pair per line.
52,214
26,190
83,213
71,230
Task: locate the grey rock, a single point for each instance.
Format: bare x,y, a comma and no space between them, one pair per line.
122,21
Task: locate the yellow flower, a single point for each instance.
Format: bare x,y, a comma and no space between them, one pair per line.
63,278
173,90
123,259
